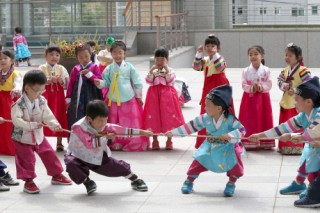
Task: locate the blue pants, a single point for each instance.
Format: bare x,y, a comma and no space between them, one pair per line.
2,167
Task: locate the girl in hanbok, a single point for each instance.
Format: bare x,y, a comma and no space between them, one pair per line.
291,77
222,151
10,89
124,98
58,78
81,88
162,110
213,67
20,47
255,108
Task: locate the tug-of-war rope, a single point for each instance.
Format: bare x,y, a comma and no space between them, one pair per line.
173,135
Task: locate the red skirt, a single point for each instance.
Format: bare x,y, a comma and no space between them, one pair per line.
6,143
57,103
209,84
285,115
256,116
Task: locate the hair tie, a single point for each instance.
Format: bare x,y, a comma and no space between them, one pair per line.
110,40
290,44
212,35
80,45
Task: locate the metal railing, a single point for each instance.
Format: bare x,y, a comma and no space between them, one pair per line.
127,19
172,31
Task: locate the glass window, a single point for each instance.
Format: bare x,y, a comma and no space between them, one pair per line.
240,11
301,11
294,11
314,10
263,10
277,10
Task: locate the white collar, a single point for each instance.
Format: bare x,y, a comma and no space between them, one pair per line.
219,122
309,117
52,68
122,65
31,106
293,68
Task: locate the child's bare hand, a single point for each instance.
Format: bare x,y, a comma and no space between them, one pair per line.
60,80
154,67
286,86
290,92
295,139
84,72
96,82
285,137
200,49
254,138
1,120
110,136
146,133
54,79
49,81
58,129
140,101
40,125
169,134
225,137
316,144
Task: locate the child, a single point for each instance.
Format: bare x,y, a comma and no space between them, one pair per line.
312,198
20,47
162,110
92,45
29,114
124,98
57,77
5,177
104,56
10,88
219,154
255,108
213,66
307,101
89,151
289,78
81,88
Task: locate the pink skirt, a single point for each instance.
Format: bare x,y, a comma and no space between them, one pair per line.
162,111
256,116
128,114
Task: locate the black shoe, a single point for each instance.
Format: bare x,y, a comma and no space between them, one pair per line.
139,185
90,186
307,203
8,180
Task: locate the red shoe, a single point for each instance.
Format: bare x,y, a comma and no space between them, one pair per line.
169,145
155,145
31,188
60,180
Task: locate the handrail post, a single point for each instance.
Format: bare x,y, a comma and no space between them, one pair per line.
158,31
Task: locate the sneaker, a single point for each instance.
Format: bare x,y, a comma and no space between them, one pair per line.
139,185
169,145
90,185
60,180
3,188
187,187
229,190
293,189
8,180
31,188
306,203
60,148
305,192
155,145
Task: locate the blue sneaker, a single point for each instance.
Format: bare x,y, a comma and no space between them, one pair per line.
305,192
229,190
307,203
187,187
293,189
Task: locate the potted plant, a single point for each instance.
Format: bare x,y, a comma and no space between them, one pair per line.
68,58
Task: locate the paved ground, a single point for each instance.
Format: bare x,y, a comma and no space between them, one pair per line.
164,172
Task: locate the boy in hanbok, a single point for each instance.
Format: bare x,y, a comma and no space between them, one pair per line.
10,90
81,88
255,108
162,110
58,78
213,67
88,149
307,102
20,47
221,153
29,115
124,98
291,77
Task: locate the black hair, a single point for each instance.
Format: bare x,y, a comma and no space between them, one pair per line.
120,44
7,53
297,51
91,43
33,77
52,49
18,29
82,47
161,52
212,39
97,108
260,50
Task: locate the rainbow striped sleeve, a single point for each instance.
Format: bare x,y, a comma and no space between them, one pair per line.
219,62
292,125
238,132
193,126
281,79
197,64
305,74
